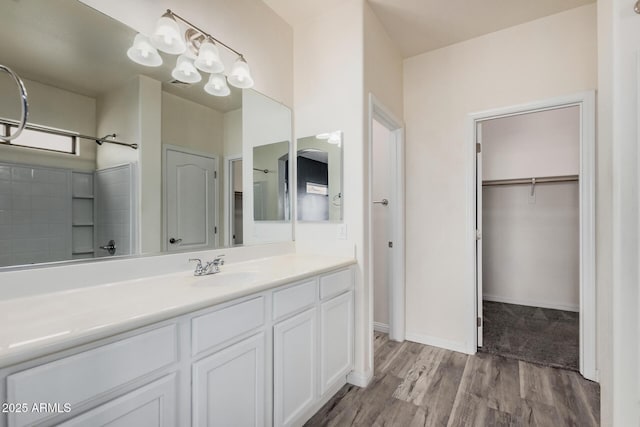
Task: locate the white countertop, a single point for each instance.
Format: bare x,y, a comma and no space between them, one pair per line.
42,324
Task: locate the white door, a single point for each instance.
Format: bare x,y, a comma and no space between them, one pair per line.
383,199
190,192
295,366
336,341
228,386
153,405
480,319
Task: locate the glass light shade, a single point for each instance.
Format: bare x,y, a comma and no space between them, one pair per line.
167,36
209,58
143,52
185,71
217,85
240,75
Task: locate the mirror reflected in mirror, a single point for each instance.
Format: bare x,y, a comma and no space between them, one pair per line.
271,182
319,177
120,159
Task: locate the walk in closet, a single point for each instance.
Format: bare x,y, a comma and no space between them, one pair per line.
530,213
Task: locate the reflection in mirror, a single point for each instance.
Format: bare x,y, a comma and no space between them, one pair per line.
271,182
319,176
65,197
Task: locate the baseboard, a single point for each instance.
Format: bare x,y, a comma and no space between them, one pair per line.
460,347
381,327
360,379
531,303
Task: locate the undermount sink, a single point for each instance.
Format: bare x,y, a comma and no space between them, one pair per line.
227,278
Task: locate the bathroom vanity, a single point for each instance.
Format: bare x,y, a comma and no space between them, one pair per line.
265,342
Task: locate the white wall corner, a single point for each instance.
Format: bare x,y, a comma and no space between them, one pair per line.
360,378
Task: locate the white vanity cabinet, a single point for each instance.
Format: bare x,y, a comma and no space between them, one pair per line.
295,366
313,345
267,359
229,386
153,405
336,340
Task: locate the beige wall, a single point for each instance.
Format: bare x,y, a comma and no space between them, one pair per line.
546,58
248,26
232,135
118,112
604,248
191,125
56,108
330,98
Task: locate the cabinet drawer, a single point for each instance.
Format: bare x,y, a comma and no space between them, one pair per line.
84,376
295,298
335,283
212,329
151,405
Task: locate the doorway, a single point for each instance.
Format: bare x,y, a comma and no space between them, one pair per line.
386,222
532,221
190,191
233,198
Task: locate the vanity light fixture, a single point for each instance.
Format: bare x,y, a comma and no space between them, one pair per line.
167,36
240,76
217,85
198,50
143,52
185,71
209,58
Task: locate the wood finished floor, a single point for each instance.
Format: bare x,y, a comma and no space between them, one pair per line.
418,385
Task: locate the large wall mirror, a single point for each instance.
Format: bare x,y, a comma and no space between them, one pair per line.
319,177
180,180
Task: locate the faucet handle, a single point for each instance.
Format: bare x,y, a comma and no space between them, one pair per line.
198,260
218,259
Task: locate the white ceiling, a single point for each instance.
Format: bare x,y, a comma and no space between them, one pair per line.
418,26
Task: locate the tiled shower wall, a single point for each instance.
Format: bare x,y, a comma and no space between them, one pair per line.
114,208
35,214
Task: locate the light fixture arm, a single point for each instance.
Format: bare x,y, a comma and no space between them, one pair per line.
180,18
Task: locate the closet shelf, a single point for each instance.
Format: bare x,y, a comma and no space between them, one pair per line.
532,180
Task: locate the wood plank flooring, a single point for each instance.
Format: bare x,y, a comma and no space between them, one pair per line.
417,385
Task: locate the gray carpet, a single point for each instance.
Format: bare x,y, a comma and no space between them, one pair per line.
538,335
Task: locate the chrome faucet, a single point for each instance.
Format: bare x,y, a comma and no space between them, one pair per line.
211,267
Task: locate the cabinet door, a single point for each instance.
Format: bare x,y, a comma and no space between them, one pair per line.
336,339
295,366
153,405
228,386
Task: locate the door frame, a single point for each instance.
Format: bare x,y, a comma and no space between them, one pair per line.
216,190
229,198
586,102
397,318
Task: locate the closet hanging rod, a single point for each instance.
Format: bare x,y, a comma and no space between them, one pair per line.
98,141
529,181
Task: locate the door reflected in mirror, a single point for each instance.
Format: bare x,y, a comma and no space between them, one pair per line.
319,177
271,182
